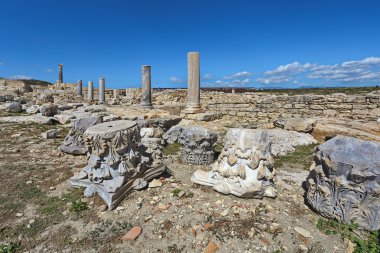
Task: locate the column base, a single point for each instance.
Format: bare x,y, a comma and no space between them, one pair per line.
192,110
146,106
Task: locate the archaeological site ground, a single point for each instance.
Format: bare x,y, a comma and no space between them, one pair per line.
86,169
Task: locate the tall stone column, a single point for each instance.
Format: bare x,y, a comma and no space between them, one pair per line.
146,97
102,90
60,73
79,88
193,83
90,91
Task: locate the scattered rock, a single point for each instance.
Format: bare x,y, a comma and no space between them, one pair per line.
155,183
211,247
51,134
49,110
132,234
305,233
33,109
14,107
19,214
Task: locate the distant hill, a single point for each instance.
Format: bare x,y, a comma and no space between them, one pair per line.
36,82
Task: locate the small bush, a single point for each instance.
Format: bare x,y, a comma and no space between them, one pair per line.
78,206
9,248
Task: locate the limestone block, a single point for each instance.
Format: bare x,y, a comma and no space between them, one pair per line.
329,113
317,107
375,112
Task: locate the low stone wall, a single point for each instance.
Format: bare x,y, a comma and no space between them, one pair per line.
265,107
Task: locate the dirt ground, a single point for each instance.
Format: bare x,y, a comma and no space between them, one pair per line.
40,213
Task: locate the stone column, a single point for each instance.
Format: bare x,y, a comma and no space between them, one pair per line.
102,90
116,94
79,88
193,83
146,99
90,91
60,73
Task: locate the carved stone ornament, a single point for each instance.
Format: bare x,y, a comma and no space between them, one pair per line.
117,163
344,179
244,167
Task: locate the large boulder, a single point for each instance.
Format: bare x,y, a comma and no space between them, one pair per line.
15,107
49,110
284,142
344,181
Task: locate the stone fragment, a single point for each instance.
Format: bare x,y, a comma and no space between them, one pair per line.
296,124
14,107
284,141
205,116
74,141
33,109
155,183
132,234
51,134
211,247
344,181
252,175
48,110
305,233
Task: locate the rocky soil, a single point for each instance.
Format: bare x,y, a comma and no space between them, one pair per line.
40,213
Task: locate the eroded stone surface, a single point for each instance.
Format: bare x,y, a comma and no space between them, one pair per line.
116,164
344,181
244,167
74,141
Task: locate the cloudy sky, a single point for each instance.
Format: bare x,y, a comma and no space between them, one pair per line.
242,43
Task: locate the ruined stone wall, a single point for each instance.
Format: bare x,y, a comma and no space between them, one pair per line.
265,107
14,85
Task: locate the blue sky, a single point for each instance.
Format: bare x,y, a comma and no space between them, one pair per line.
244,43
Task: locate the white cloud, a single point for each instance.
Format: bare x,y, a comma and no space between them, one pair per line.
207,76
290,69
239,75
174,79
18,77
366,70
245,81
49,70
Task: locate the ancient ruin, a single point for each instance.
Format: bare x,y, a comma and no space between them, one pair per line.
102,90
146,100
179,169
115,163
74,141
244,167
194,79
344,181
